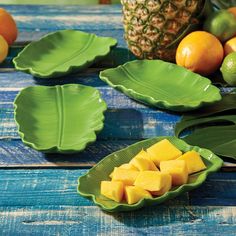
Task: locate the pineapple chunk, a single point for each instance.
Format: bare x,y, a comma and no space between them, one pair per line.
163,151
126,176
142,162
125,166
165,188
151,180
128,166
134,193
113,190
194,161
177,169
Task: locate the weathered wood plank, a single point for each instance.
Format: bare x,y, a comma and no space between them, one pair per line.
27,35
12,80
57,10
58,187
52,2
92,19
217,188
71,17
123,123
13,153
125,117
38,187
77,220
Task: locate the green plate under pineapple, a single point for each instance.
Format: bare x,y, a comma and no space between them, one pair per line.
62,52
89,184
162,84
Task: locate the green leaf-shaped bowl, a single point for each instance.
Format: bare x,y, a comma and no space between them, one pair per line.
162,84
89,184
59,118
62,52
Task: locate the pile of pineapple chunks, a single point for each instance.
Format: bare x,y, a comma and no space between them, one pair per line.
151,173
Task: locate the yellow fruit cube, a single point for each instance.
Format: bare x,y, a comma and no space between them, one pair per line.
165,188
126,176
194,161
177,169
125,166
151,180
134,193
163,151
142,162
128,166
113,190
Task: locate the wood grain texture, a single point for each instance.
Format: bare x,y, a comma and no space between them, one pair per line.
43,187
125,118
53,2
46,201
125,121
35,187
77,220
51,18
13,153
119,123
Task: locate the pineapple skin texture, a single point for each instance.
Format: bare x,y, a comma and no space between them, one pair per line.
151,26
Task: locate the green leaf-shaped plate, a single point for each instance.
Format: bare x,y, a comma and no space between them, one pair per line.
62,52
162,84
89,184
59,118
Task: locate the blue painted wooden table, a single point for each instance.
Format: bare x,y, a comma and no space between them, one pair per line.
38,192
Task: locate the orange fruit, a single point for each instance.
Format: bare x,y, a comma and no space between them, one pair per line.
3,49
200,52
232,10
230,46
8,28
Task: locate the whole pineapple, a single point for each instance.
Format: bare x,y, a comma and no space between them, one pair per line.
153,28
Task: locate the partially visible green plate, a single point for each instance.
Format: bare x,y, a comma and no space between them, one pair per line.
89,184
62,52
59,118
162,84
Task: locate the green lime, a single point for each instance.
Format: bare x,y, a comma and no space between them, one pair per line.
228,69
222,24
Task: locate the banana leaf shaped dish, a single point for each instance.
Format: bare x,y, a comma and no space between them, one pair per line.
162,84
62,52
59,118
89,184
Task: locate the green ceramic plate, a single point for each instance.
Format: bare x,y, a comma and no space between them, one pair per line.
59,118
162,84
89,184
62,52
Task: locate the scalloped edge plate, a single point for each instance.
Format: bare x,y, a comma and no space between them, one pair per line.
106,165
59,70
111,76
59,92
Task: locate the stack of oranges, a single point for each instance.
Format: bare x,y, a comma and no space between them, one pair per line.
8,32
203,51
